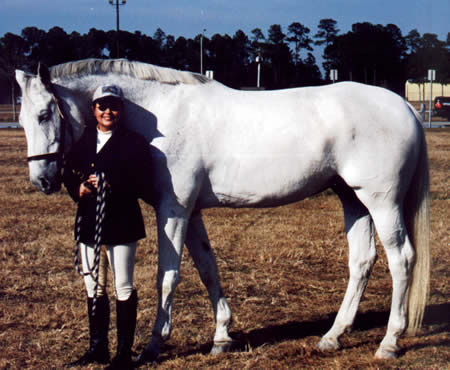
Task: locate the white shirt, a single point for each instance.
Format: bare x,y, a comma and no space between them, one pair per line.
102,138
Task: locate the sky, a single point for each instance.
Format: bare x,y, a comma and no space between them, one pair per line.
189,18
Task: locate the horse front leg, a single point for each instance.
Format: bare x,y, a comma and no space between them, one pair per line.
199,247
172,224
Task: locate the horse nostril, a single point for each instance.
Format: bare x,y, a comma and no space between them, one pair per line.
45,184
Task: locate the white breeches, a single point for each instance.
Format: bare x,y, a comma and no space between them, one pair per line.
121,259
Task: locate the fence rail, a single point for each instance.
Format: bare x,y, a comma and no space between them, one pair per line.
7,113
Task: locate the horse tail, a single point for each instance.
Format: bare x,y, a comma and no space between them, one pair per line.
417,217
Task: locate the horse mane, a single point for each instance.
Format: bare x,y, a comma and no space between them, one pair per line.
139,70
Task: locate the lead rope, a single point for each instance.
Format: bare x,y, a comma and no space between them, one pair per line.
99,218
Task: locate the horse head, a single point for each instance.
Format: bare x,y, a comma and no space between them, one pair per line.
43,122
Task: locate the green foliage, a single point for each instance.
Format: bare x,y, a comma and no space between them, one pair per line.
380,55
428,52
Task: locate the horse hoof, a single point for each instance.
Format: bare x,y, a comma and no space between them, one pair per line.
146,357
328,344
387,353
221,347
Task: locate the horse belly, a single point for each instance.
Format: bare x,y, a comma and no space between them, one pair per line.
268,181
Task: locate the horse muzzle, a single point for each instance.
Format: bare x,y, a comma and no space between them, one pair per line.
46,177
46,186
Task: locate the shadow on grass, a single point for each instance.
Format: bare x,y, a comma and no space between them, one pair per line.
436,317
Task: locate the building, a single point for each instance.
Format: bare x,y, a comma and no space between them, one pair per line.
421,91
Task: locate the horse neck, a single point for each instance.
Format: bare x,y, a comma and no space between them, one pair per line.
75,104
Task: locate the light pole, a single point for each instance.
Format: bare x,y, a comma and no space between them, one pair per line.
258,73
333,75
431,78
201,51
117,3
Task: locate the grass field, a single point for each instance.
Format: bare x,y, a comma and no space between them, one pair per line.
284,271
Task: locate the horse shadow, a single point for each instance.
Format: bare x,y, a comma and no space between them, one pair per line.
145,123
436,318
142,121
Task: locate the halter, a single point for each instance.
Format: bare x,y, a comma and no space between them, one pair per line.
99,218
59,155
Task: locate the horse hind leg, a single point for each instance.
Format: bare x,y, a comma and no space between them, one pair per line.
200,250
391,229
362,256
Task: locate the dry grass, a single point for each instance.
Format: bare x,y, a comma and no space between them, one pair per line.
284,271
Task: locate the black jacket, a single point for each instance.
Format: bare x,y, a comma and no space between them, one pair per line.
125,160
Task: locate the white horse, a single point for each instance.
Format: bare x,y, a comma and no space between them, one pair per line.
218,147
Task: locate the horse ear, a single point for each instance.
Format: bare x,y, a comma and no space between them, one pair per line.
21,78
44,74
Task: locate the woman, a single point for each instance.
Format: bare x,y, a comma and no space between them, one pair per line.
124,158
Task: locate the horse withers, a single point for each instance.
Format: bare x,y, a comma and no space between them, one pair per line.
213,146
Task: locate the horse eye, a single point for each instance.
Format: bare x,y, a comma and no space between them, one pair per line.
44,116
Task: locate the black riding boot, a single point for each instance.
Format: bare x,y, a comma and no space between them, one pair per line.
126,325
98,332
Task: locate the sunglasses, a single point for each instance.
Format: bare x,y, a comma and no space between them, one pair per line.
113,105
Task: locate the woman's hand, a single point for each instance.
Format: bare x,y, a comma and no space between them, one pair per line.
88,187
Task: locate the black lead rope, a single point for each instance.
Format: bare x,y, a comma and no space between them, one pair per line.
99,218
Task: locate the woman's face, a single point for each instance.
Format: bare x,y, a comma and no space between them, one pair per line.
107,112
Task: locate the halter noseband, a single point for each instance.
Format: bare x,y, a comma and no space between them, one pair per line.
59,155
